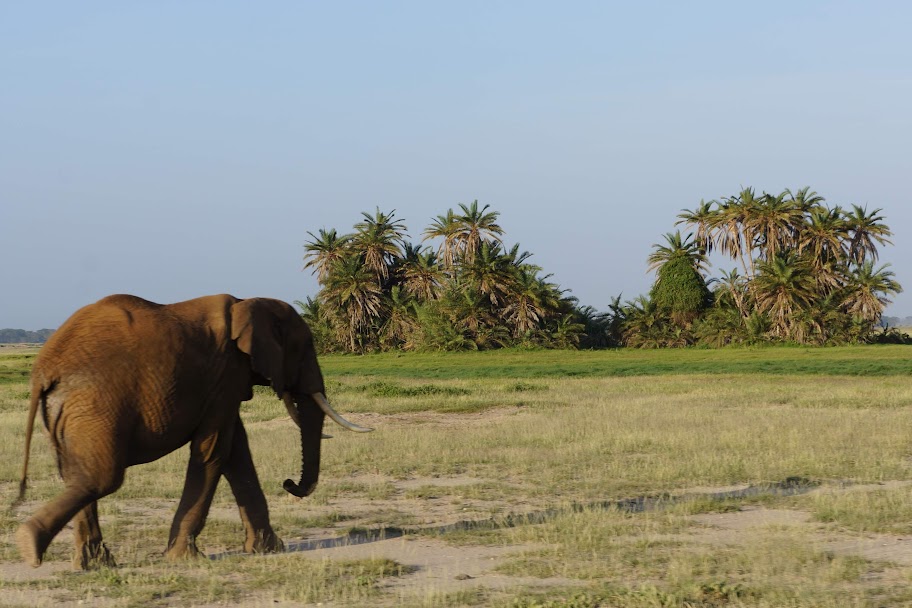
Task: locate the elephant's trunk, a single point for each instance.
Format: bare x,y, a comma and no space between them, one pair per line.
310,422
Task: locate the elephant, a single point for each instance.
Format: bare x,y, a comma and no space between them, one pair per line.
125,381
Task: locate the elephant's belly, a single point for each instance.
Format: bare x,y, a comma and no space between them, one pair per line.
141,453
148,444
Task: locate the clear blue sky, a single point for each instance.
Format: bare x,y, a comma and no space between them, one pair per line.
175,149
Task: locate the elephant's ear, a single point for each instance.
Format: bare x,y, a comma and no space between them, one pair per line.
255,330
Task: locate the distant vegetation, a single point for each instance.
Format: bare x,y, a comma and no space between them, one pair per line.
805,273
896,321
809,276
379,291
18,336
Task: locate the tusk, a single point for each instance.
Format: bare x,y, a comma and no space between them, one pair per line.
329,411
292,410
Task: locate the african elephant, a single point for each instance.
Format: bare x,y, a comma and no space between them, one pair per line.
125,381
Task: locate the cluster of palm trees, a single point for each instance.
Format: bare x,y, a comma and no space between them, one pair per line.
805,273
379,291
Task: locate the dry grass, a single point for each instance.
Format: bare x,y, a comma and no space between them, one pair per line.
520,444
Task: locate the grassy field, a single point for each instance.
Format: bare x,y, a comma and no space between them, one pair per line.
754,477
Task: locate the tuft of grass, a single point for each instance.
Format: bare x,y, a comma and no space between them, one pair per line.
524,387
166,585
373,491
699,505
881,511
297,578
324,520
388,389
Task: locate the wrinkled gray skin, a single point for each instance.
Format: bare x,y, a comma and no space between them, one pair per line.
125,381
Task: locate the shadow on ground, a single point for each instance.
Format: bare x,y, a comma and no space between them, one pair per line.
791,486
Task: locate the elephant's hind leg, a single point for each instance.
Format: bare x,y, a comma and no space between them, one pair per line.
35,535
242,476
32,542
91,552
90,472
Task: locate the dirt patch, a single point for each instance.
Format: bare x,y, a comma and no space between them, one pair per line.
876,547
730,525
21,573
440,567
737,528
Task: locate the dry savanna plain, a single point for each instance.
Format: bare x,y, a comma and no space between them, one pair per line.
745,477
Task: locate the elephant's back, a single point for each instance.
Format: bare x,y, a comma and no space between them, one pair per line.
98,336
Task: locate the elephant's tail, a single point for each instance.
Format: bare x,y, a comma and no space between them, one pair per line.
37,395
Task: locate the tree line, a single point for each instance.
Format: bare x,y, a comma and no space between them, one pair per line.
22,336
461,288
896,321
804,273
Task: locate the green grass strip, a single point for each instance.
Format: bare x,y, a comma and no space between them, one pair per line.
885,360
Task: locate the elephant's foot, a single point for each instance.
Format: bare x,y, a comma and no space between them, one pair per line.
32,542
92,556
183,550
265,541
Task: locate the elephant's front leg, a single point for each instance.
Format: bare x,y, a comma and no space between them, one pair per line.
208,453
241,474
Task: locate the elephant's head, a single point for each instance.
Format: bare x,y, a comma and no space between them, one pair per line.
282,355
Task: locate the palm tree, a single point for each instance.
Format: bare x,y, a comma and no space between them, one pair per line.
735,288
400,322
644,326
735,235
823,238
721,325
492,272
565,331
596,326
784,286
866,228
806,200
867,291
615,317
703,219
773,221
377,240
445,227
318,318
475,226
822,322
529,300
471,315
310,310
419,272
323,250
353,294
677,247
824,242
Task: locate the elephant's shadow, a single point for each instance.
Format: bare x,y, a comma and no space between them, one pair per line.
789,487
